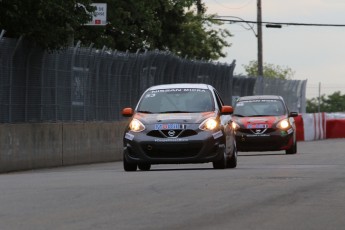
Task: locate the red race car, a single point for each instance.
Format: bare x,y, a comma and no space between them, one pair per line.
264,123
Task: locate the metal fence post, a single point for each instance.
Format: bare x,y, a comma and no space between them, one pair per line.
11,79
2,33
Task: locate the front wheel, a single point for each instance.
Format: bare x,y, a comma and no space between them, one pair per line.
144,166
221,163
292,150
127,166
232,161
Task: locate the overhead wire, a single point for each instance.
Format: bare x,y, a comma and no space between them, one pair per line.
221,18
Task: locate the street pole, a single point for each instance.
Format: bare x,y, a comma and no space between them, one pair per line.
259,32
319,99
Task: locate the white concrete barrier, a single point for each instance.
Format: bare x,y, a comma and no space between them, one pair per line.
314,126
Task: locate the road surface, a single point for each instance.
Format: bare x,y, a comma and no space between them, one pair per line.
268,190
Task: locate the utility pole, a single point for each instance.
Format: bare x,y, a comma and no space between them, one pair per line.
199,7
259,34
319,99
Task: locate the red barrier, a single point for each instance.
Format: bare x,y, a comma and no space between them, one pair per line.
335,128
299,128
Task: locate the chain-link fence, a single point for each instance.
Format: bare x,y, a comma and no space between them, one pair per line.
293,91
87,84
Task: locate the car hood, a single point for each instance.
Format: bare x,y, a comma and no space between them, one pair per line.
268,121
174,117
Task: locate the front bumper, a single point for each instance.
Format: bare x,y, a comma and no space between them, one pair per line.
273,141
205,146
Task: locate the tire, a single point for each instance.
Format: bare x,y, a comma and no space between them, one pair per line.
221,163
292,150
232,161
144,166
128,166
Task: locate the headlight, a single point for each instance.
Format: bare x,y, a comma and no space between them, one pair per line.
235,126
284,124
209,124
136,126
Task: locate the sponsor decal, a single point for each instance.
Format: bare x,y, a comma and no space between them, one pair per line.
150,95
177,90
217,134
290,131
172,140
257,119
172,116
257,126
262,100
284,133
169,126
129,136
258,135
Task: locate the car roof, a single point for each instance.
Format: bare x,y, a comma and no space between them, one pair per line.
181,85
260,97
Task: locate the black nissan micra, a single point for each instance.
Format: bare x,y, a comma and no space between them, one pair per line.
179,123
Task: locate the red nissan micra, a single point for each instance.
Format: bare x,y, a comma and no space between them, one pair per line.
264,123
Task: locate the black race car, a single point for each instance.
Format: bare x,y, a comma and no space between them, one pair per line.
179,123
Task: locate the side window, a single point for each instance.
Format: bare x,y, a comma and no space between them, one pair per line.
219,100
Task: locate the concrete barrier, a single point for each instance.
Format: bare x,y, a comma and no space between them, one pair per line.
28,146
314,125
299,128
33,146
319,126
335,128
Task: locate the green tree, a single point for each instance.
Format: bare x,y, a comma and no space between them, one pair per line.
332,103
48,23
269,70
178,26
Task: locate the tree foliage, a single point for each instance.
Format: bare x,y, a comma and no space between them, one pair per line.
48,23
269,70
178,26
332,103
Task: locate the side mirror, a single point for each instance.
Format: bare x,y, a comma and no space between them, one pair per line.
293,114
127,112
227,110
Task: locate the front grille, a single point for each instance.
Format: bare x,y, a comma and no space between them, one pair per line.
178,133
188,133
173,150
253,131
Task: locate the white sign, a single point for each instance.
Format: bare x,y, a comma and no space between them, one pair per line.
99,16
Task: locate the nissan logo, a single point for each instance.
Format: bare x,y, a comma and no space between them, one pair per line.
171,133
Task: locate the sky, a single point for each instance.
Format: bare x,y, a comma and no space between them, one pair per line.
314,53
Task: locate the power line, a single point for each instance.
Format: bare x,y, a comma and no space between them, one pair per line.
221,18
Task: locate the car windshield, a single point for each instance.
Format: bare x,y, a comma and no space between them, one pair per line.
253,108
177,100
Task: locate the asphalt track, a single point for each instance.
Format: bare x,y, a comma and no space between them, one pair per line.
268,190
